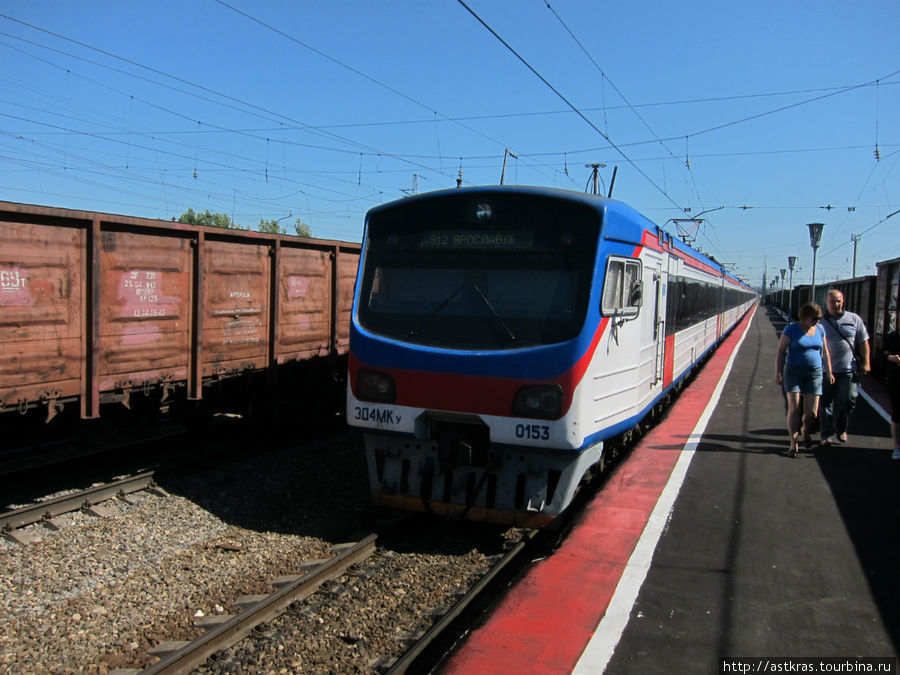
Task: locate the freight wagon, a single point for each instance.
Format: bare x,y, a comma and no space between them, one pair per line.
96,308
873,297
859,296
885,318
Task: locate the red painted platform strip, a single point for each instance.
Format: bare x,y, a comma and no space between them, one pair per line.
547,619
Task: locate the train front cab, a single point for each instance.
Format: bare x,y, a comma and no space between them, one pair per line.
618,375
505,332
464,454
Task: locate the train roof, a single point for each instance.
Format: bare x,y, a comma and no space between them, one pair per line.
630,216
572,195
621,221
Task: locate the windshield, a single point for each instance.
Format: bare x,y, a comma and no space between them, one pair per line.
479,272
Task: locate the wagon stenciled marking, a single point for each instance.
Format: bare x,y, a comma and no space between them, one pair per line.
12,280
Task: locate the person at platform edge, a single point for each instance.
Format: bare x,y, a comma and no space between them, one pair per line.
803,343
892,356
848,344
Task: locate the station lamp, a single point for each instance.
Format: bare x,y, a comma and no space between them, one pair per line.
815,235
783,272
792,260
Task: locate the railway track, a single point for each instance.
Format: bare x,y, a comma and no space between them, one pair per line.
424,649
89,500
110,590
224,631
433,645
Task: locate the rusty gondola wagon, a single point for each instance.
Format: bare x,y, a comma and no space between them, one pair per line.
98,308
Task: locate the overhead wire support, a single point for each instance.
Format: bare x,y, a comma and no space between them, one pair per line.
605,78
842,90
506,154
595,176
358,72
252,108
855,237
612,84
566,101
877,151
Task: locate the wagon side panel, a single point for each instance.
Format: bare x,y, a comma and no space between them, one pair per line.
236,294
41,311
305,313
144,309
348,261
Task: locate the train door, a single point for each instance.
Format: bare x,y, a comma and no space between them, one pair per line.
720,329
669,317
660,278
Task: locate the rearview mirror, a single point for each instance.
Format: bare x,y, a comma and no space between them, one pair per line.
637,294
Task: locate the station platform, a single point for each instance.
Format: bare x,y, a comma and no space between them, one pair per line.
708,543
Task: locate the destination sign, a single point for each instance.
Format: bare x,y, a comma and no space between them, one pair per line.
475,239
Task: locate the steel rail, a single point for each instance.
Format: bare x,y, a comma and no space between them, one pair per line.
195,653
34,513
438,629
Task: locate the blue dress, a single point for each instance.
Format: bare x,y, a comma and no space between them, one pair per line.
803,366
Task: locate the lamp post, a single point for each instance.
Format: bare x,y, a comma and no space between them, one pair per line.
792,260
783,272
815,235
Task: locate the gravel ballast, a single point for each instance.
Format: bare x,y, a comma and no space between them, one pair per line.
99,592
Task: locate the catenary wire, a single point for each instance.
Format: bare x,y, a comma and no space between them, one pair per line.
568,103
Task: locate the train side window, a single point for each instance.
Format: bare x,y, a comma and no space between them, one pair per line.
622,290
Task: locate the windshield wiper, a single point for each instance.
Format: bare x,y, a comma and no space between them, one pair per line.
488,304
437,310
446,301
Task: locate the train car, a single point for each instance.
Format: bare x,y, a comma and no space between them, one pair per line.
783,299
872,297
859,296
500,337
885,317
97,308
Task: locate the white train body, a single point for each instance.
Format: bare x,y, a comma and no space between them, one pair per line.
501,336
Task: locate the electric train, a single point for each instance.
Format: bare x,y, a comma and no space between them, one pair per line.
501,336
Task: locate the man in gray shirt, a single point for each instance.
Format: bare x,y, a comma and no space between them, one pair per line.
848,344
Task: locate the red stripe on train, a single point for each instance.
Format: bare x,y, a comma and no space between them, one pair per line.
479,394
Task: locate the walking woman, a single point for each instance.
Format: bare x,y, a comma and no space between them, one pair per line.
803,342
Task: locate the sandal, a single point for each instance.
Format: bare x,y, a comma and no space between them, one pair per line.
792,450
807,441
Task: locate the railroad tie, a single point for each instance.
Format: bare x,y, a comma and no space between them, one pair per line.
167,648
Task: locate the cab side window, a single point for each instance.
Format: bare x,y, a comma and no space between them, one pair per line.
622,291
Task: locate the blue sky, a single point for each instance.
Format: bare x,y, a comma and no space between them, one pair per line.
762,115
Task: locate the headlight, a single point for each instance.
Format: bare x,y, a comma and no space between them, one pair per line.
374,386
544,401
